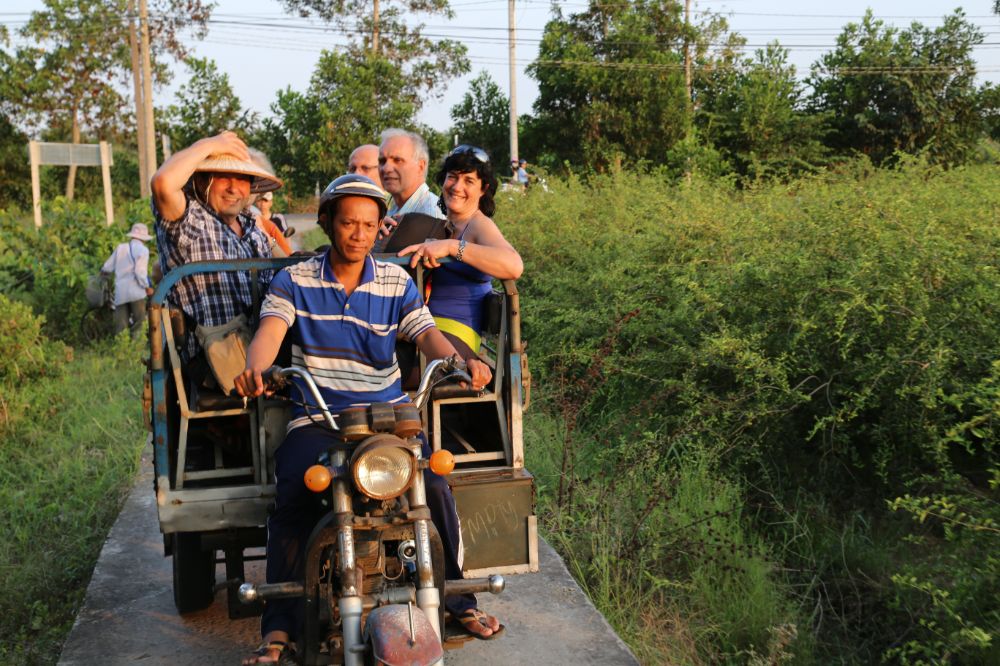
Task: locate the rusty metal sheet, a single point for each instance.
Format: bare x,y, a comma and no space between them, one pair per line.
401,635
494,508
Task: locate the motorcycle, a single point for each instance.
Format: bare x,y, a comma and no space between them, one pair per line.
374,583
214,486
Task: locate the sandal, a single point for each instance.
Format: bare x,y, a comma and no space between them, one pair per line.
473,619
285,654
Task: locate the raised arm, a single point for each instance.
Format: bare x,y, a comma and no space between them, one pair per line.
169,180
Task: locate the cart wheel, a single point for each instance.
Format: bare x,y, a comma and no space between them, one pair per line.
194,573
95,324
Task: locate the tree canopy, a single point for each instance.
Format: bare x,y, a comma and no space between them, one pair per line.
205,105
351,98
482,118
611,80
426,64
911,90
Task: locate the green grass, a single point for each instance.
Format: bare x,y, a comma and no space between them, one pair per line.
312,239
70,450
673,568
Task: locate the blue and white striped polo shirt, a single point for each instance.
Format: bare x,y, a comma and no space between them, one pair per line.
348,344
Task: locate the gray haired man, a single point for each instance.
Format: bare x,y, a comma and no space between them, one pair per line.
402,160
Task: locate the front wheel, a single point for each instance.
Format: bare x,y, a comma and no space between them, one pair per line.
194,573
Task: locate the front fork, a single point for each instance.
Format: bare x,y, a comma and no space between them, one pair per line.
428,597
349,603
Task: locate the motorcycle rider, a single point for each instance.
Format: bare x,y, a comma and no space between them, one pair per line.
336,308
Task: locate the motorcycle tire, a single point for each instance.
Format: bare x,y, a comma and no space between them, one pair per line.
194,573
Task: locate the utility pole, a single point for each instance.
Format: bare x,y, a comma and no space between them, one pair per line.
511,56
140,120
689,100
375,28
687,54
149,129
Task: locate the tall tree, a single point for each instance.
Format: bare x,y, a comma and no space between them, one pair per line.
71,73
205,105
378,28
352,97
753,113
482,117
911,90
611,79
14,171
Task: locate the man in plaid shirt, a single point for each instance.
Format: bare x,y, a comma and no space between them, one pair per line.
199,200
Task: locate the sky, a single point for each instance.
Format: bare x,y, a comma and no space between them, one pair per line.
276,52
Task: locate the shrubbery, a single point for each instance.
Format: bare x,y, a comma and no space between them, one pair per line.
48,268
818,347
27,354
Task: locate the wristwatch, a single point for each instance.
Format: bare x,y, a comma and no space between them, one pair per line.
461,250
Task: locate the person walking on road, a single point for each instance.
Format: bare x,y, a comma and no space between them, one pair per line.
130,265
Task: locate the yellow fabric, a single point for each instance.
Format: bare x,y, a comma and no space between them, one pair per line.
460,331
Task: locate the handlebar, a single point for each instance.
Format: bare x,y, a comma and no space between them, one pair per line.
277,378
450,366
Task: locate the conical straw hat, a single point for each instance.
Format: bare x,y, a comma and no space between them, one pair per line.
263,179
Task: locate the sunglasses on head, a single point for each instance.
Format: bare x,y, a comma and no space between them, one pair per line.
478,153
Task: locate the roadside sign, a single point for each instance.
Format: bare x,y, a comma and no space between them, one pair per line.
70,154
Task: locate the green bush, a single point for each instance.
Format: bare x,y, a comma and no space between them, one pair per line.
48,268
27,353
819,345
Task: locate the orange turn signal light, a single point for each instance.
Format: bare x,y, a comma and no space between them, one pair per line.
442,462
317,478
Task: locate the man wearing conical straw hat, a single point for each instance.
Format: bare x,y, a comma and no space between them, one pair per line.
200,197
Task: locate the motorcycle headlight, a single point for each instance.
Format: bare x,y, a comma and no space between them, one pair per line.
383,468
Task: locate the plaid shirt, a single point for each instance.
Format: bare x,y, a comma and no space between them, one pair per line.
211,299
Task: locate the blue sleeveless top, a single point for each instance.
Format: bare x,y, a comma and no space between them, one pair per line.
457,292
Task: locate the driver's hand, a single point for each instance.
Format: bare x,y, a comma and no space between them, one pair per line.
480,373
249,383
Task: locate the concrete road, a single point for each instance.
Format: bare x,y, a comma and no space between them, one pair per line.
301,222
129,617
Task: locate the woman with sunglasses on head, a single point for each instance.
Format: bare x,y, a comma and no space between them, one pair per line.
479,251
460,287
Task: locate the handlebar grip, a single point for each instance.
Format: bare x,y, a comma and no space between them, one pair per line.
461,376
273,378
